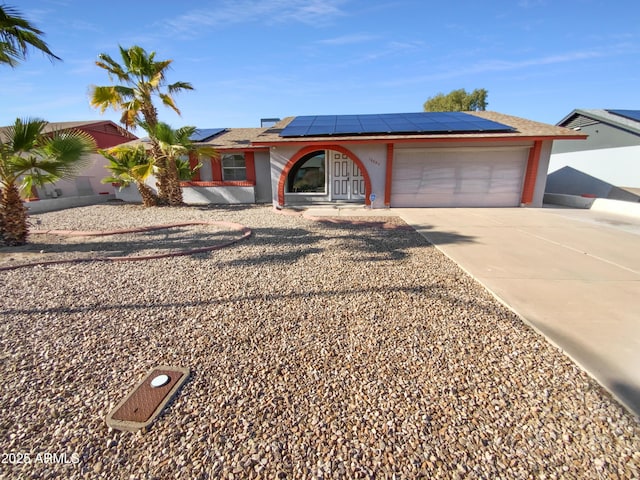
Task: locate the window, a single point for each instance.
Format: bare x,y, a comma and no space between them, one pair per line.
308,175
234,167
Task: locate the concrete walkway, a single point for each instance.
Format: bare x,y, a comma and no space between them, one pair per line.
574,275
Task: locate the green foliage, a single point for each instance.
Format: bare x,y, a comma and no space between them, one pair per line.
17,35
131,164
458,101
176,147
128,164
140,78
185,172
31,157
35,158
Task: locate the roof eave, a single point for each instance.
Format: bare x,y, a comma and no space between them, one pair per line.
440,139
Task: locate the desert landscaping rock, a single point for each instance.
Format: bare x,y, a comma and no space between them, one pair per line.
317,350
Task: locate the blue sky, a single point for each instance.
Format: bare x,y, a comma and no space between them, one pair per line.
250,59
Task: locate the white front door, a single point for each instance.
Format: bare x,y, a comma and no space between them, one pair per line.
347,182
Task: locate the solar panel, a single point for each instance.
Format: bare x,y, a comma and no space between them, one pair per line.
630,114
405,123
202,134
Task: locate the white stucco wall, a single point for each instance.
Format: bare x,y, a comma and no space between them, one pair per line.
62,203
218,195
617,166
128,194
373,158
196,195
88,182
263,188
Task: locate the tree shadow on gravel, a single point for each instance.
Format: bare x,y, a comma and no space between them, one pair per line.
171,239
436,291
396,228
293,244
385,239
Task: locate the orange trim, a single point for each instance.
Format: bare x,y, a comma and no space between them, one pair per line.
250,164
529,186
388,175
215,183
193,163
312,148
422,140
216,169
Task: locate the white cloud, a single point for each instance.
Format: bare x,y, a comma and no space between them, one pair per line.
348,39
229,12
500,65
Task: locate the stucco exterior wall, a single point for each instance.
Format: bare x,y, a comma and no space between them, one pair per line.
88,183
617,166
129,194
373,158
263,178
62,203
218,195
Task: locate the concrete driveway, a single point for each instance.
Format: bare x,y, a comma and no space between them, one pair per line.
574,275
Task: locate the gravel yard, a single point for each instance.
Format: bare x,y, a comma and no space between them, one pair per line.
317,350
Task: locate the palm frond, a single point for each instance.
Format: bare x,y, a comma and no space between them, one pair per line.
179,86
71,147
129,163
105,97
17,35
24,134
206,151
168,101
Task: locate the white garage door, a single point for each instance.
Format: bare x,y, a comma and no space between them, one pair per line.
458,177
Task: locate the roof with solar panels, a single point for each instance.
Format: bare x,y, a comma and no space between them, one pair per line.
382,127
422,125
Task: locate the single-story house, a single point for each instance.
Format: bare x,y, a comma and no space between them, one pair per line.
106,134
611,153
426,159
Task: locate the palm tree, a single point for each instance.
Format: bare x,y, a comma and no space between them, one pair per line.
16,35
141,78
131,164
30,157
174,146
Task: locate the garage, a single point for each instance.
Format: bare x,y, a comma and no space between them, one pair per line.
458,177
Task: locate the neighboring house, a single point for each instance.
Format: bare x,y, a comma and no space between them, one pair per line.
426,159
106,134
569,181
611,152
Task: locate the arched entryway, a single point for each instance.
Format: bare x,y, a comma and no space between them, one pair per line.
331,172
